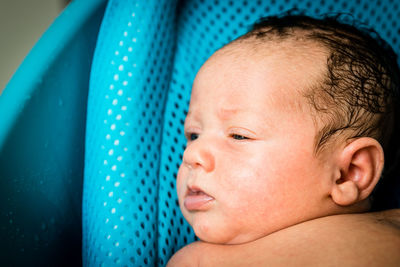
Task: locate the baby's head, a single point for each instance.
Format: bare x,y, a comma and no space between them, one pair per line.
286,124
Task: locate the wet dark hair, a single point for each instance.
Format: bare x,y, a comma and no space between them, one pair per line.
359,95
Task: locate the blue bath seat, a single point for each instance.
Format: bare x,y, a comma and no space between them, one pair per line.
90,143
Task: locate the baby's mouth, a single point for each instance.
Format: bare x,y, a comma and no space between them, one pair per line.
197,200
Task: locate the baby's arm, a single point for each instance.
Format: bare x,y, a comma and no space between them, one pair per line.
370,239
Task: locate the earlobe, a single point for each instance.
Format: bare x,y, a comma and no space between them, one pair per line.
345,193
360,164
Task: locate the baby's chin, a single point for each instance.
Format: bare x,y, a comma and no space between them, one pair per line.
227,241
226,238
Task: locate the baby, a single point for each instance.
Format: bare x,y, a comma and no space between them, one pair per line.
289,123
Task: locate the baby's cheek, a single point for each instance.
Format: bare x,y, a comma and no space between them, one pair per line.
181,183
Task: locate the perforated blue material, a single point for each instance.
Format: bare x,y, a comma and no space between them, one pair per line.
147,56
130,76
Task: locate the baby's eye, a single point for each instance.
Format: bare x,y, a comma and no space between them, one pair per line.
239,137
192,136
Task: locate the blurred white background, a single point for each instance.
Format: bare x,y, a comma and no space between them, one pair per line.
22,22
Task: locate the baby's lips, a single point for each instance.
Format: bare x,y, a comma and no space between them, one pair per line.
197,200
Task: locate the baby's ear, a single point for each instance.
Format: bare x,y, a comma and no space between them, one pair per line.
360,166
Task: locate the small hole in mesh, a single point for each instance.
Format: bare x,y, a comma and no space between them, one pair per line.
372,12
139,251
365,6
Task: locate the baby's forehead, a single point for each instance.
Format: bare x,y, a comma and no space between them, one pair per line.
269,66
300,64
296,47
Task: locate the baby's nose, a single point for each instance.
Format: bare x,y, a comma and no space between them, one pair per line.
198,154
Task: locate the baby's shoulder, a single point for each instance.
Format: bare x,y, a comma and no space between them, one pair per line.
348,228
389,218
382,222
367,239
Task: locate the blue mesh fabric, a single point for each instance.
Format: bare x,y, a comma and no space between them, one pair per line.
131,215
129,81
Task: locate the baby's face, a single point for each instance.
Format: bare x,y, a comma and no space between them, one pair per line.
249,168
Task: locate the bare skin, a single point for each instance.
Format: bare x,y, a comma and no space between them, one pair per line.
250,183
368,239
